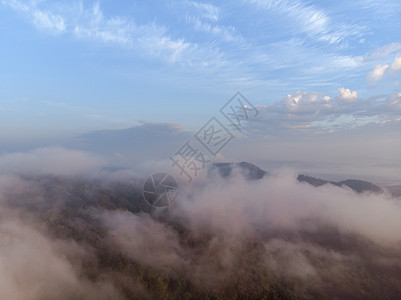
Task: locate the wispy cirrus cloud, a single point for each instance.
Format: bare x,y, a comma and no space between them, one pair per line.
42,19
316,23
206,10
382,8
205,17
90,23
381,52
316,45
93,25
151,37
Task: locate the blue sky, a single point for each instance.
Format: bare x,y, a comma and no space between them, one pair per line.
110,64
70,67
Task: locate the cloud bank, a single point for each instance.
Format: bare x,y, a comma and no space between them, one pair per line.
222,237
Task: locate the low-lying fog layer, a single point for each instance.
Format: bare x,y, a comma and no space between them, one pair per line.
69,236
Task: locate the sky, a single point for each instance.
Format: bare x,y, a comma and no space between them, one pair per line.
324,75
112,91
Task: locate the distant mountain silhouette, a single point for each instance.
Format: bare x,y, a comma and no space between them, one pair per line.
358,186
252,172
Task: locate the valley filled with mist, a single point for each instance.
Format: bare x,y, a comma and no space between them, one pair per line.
239,233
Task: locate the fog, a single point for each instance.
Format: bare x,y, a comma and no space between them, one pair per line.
217,233
35,266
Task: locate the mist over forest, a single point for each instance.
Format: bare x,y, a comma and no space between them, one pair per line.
229,235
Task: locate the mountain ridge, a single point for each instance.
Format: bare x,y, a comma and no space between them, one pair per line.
253,172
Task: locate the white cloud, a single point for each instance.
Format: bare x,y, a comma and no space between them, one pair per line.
346,95
150,39
48,21
205,18
207,10
382,52
222,48
381,71
298,99
157,43
227,33
17,5
396,65
313,113
92,25
42,19
309,19
377,74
